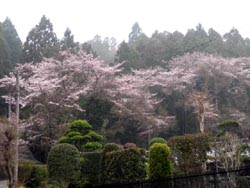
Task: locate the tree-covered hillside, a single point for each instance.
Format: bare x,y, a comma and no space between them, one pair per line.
164,85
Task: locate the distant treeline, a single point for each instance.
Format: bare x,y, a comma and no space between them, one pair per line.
140,51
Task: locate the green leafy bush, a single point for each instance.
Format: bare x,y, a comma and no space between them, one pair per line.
230,126
82,136
91,167
64,164
124,166
32,175
91,146
157,140
159,161
110,147
189,152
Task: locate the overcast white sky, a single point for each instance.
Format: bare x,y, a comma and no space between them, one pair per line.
86,18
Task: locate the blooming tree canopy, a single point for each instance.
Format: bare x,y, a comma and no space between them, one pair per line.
56,84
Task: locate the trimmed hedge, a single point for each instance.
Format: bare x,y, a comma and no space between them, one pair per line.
110,147
82,136
91,167
157,140
189,152
64,164
32,175
159,161
124,166
230,126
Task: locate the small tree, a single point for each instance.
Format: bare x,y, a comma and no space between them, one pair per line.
159,161
82,136
228,152
64,164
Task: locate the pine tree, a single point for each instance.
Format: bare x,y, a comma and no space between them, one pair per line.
216,45
234,44
105,48
68,43
41,42
5,60
15,44
135,33
127,55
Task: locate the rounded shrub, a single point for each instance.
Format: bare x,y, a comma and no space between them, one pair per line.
157,140
110,147
230,126
129,145
159,161
63,164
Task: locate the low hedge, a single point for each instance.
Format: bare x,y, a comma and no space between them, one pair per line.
91,167
124,166
32,175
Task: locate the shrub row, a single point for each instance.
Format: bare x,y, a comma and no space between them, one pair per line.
189,152
32,175
91,167
124,166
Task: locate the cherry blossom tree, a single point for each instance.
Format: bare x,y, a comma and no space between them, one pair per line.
219,85
51,90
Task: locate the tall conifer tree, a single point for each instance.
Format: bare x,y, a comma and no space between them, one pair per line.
41,42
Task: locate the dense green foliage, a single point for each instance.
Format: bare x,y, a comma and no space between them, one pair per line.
109,147
32,175
91,167
230,126
64,164
82,136
141,51
159,164
189,152
41,42
157,140
98,111
13,41
68,43
5,59
124,166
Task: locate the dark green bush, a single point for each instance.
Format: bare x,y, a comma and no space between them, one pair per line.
242,182
230,126
82,136
91,167
157,140
159,161
110,147
189,152
124,166
64,164
92,146
32,175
